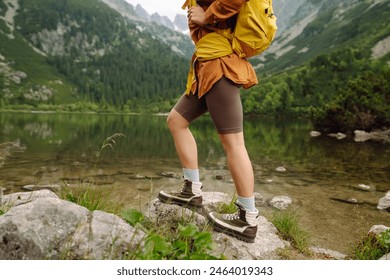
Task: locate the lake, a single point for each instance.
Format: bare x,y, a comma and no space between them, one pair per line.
52,148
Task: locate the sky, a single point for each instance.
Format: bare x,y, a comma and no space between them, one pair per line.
165,7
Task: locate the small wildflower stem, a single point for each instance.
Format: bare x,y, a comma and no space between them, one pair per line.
1,197
109,142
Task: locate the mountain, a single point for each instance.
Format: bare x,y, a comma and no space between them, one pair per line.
110,52
139,14
308,28
178,24
59,52
330,62
174,33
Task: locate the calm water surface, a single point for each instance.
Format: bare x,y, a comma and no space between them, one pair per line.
63,149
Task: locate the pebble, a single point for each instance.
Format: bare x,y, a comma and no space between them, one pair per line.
281,169
315,133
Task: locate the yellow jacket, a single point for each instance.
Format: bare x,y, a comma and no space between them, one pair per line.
214,56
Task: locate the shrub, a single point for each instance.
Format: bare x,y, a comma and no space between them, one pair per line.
186,242
373,247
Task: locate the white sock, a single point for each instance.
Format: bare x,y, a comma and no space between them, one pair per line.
247,202
191,174
197,188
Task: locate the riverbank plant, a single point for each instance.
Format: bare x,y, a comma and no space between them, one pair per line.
109,142
228,207
4,208
89,198
184,242
84,195
287,224
372,247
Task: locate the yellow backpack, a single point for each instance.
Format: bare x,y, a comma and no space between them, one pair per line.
255,28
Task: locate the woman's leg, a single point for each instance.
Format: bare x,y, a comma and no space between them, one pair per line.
187,109
225,108
185,143
239,163
224,104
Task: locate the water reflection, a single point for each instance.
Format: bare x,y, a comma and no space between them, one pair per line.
58,148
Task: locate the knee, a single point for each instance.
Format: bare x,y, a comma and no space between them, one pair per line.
170,121
232,142
175,121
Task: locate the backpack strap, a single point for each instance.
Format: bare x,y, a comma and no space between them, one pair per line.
188,4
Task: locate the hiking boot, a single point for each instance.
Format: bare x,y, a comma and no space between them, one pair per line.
190,195
241,225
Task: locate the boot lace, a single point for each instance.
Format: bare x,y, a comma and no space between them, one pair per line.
231,217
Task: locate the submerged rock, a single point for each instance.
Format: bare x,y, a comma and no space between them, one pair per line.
338,135
350,200
280,202
169,175
281,169
315,133
364,187
362,136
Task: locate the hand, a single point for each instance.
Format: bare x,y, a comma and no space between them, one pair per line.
196,15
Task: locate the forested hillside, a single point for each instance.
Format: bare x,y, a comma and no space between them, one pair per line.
329,61
334,68
84,50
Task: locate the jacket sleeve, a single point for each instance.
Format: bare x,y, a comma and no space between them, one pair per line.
221,10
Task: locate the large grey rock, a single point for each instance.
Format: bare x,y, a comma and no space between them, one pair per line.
16,199
169,215
266,243
39,225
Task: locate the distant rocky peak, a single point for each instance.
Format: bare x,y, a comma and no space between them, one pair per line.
181,23
162,20
142,13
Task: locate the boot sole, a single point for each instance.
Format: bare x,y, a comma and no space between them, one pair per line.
170,200
230,232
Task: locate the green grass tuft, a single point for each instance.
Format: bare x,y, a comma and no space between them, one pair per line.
88,198
228,208
287,223
184,242
373,247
